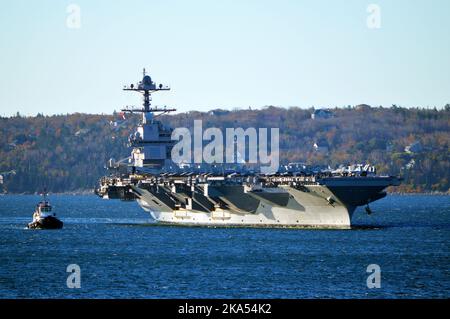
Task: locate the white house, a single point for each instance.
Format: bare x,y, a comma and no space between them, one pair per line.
321,114
321,147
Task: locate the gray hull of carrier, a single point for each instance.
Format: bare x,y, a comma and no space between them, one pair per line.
250,201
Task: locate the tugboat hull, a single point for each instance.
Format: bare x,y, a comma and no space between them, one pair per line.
46,223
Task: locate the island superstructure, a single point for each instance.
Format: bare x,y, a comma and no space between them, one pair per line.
231,195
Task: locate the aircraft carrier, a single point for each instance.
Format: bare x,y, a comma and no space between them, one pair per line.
232,195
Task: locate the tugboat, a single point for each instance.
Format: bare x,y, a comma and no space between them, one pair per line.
44,218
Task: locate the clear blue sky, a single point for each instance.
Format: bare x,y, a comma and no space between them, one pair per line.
223,54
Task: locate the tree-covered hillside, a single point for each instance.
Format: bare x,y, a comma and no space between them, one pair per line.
69,152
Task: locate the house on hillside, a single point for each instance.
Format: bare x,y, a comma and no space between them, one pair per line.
415,147
362,107
321,114
218,112
82,131
321,146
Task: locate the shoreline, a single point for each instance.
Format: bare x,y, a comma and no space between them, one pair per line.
91,192
74,193
431,193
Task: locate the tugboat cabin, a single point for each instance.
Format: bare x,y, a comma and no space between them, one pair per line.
45,209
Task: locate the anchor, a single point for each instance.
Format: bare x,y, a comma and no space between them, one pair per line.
368,210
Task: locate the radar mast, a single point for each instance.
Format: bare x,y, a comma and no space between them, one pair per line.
146,87
151,142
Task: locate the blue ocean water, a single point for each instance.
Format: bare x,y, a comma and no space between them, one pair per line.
122,255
